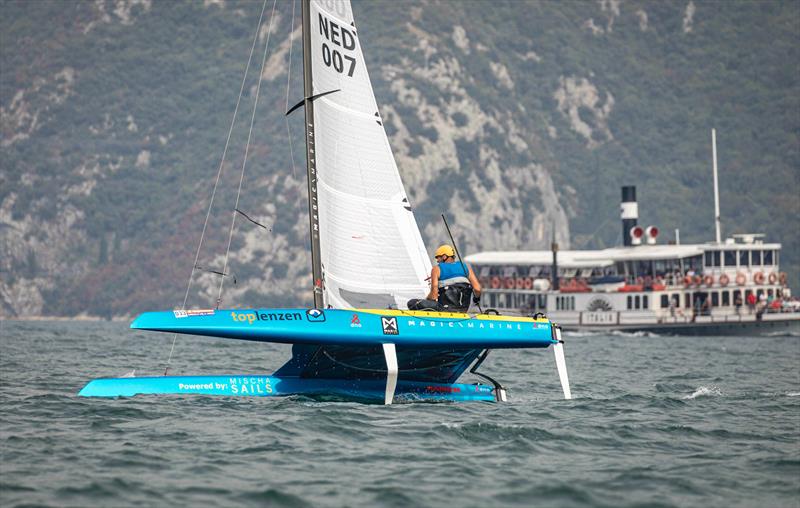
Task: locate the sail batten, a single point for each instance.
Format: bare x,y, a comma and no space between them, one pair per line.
371,250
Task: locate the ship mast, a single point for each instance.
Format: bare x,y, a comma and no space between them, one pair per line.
311,164
716,185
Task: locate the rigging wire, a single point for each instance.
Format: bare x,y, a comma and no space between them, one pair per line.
219,175
246,151
288,80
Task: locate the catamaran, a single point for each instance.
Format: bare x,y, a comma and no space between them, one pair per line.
358,341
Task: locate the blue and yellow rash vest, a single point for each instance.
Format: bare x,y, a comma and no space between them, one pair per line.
452,273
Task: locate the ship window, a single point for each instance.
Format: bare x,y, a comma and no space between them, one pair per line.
717,258
755,257
743,258
726,298
759,293
637,302
730,258
645,302
664,301
769,293
630,302
676,298
687,302
572,302
737,298
747,294
715,299
767,257
542,301
509,305
708,258
492,300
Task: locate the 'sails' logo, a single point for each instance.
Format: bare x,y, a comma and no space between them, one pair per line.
315,315
389,325
355,322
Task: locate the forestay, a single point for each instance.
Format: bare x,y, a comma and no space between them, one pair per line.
372,253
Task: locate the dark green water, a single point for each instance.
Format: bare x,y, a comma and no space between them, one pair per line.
657,421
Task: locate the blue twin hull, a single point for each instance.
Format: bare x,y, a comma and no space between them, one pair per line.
271,386
356,328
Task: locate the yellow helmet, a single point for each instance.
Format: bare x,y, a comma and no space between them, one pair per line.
445,250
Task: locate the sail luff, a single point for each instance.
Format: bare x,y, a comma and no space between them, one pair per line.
311,165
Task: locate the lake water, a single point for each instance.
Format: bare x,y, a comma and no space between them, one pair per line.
656,421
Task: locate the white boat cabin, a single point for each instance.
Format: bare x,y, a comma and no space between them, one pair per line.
638,283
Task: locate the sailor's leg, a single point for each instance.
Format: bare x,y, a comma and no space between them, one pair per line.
390,354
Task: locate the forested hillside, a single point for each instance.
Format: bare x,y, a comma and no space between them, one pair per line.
518,119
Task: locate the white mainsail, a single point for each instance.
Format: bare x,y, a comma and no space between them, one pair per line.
372,253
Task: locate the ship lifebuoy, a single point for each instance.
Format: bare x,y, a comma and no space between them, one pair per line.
758,278
773,278
783,277
740,279
520,283
708,280
724,280
687,281
509,283
495,282
639,281
528,283
697,280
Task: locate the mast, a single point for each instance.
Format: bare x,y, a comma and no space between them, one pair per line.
311,163
716,184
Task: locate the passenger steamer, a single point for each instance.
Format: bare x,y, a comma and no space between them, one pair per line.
718,288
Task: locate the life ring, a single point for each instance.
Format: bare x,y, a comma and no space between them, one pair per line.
509,282
708,280
783,278
758,278
724,280
495,282
639,281
697,280
773,278
740,279
519,283
528,283
687,281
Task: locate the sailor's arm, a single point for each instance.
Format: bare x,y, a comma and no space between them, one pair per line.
434,292
476,286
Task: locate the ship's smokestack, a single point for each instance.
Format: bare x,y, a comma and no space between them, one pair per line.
629,212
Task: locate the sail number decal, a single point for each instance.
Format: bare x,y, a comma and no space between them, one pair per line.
342,37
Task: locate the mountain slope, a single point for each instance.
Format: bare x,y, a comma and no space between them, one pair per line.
519,120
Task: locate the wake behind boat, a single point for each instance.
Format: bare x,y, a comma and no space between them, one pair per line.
357,341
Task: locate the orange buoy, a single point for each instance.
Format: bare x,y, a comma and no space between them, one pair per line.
724,280
495,282
687,281
509,283
758,278
528,283
708,280
783,278
520,283
773,278
740,279
697,280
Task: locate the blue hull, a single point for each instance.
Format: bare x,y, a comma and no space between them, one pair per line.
272,386
356,327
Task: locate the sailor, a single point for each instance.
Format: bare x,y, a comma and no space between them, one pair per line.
452,285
